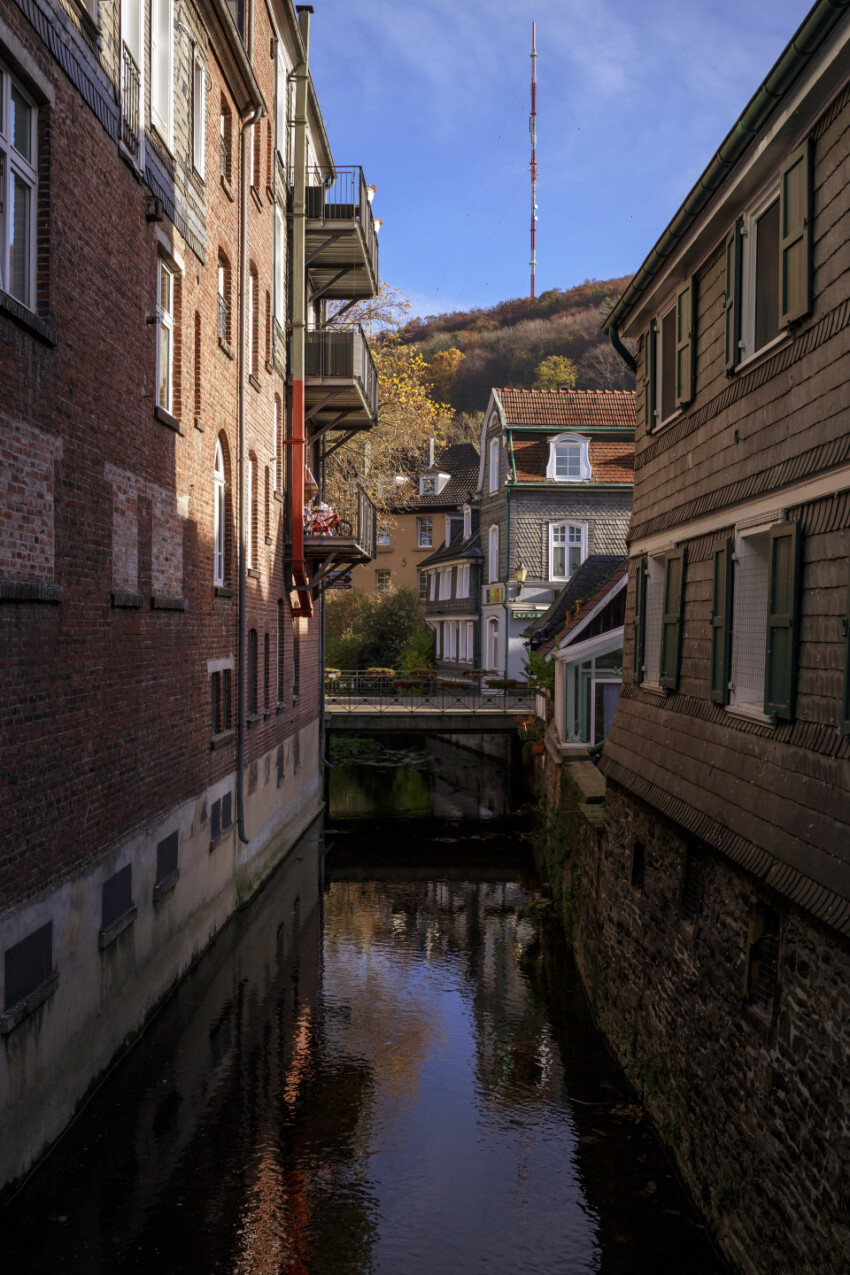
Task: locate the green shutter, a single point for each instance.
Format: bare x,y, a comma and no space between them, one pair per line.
650,377
845,699
685,342
721,624
733,298
639,620
795,235
782,617
671,624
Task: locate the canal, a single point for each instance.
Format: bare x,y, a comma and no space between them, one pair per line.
384,1064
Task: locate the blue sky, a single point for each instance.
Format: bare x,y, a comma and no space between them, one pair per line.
432,98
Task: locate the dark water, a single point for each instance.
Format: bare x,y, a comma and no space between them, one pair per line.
385,1065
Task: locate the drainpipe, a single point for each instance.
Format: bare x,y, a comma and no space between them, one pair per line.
625,355
304,605
252,115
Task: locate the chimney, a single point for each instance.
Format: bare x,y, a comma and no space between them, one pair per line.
304,11
430,453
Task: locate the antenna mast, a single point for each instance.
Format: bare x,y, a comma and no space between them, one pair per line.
532,128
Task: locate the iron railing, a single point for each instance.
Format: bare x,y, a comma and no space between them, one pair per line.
222,318
341,194
130,102
358,518
356,691
451,606
343,353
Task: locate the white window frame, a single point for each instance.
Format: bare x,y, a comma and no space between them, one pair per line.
566,705
569,440
493,643
280,104
470,641
493,554
445,583
568,544
14,164
165,324
432,585
422,581
428,486
382,586
749,273
199,115
664,313
467,522
463,581
493,454
162,69
421,529
219,514
749,616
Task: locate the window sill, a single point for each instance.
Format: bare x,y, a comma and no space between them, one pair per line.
277,495
655,688
106,937
162,888
16,1015
222,836
165,418
227,188
760,356
269,367
269,194
269,540
257,197
281,706
252,719
254,381
129,600
222,739
226,348
253,573
199,424
27,319
29,591
750,713
670,420
161,603
223,591
267,712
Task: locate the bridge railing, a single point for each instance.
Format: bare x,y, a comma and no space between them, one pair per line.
355,691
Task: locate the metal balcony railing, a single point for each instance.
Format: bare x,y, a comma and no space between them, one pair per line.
353,690
130,81
222,318
343,353
339,195
357,517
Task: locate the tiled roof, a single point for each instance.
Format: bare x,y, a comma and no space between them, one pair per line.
461,461
595,575
569,409
470,548
611,460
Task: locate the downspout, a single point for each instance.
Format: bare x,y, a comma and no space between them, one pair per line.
252,115
304,604
627,357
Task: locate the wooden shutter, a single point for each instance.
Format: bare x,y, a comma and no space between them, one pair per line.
671,623
845,699
685,342
782,617
650,376
721,623
795,235
639,620
733,297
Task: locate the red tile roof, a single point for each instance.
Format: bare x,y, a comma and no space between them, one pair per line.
569,409
611,460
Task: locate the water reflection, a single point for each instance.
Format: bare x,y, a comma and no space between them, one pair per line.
385,1065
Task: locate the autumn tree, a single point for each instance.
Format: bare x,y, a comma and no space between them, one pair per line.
444,367
555,372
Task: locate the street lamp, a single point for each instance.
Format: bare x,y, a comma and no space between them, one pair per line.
519,575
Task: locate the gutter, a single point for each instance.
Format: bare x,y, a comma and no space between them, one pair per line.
251,116
786,70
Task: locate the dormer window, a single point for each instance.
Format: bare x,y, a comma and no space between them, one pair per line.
467,522
432,484
568,459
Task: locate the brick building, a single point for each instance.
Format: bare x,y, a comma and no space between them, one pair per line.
555,484
165,262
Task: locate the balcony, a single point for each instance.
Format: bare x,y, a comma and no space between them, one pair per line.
337,541
129,102
341,236
340,382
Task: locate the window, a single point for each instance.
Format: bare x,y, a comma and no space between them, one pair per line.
425,532
567,549
220,713
116,897
433,577
493,643
384,540
18,191
223,299
166,858
587,689
221,815
762,965
28,965
749,611
470,641
423,586
280,654
278,444
251,513
162,26
382,581
253,674
467,522
268,328
131,77
165,346
199,115
255,143
769,262
252,334
445,583
669,359
427,486
568,459
648,620
280,107
463,581
296,658
494,464
267,506
225,144
197,368
219,514
493,555
279,266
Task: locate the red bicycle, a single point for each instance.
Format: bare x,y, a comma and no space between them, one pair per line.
323,520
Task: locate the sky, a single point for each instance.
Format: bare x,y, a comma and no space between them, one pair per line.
431,98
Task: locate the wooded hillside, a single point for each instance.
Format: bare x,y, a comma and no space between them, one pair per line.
506,344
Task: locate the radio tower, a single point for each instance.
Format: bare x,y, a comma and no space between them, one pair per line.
532,128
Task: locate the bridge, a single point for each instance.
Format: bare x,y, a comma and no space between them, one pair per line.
358,704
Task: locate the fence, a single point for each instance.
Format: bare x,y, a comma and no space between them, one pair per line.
355,690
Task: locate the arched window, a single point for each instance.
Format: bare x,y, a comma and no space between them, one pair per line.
493,643
219,515
568,459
